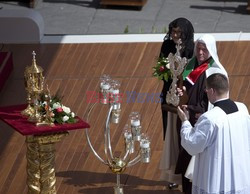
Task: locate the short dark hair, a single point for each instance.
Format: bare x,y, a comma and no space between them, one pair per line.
219,82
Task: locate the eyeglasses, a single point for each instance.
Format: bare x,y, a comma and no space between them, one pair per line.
178,32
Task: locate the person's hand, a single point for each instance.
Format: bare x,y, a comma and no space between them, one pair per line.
180,91
183,113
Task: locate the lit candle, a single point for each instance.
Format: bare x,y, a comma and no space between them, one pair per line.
128,135
135,123
144,144
105,86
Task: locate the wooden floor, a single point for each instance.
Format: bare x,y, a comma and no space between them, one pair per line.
75,69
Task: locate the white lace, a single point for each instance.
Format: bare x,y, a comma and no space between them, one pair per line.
197,190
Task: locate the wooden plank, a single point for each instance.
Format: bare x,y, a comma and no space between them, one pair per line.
227,51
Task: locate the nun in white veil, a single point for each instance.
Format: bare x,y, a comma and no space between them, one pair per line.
171,144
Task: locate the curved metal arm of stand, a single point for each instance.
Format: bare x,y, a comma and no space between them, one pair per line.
135,160
92,148
107,136
88,139
125,157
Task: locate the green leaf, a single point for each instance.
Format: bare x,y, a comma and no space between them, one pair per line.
166,77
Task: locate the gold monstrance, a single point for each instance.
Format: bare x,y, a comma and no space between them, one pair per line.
34,82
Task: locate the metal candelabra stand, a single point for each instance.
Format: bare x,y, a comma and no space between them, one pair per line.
109,95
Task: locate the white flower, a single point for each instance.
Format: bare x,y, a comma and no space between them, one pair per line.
168,65
56,105
65,118
73,115
66,109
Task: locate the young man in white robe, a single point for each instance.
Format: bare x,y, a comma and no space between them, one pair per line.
221,142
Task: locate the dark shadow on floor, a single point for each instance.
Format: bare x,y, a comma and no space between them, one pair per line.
26,3
85,178
126,190
241,9
84,3
90,179
22,3
94,4
227,0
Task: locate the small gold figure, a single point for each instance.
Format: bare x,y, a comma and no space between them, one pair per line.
47,118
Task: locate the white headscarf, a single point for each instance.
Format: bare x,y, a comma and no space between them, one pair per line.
210,43
216,67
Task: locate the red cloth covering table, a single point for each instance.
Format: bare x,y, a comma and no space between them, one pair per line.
40,142
12,116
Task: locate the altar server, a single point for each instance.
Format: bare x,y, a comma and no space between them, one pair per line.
220,140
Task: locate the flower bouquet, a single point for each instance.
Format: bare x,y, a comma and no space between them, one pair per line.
162,69
58,112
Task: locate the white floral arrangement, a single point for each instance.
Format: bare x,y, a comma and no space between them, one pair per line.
62,114
58,112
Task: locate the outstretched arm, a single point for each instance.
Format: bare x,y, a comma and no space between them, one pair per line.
194,139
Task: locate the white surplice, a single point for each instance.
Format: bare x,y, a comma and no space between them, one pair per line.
221,144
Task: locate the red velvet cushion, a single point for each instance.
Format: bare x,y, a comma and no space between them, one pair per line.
12,116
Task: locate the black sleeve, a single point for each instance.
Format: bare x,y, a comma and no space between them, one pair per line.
198,101
167,47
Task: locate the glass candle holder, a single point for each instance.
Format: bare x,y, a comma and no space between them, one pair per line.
145,149
115,101
135,125
104,89
104,78
116,112
128,139
115,91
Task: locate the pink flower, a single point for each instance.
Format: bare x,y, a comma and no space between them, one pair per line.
162,68
59,109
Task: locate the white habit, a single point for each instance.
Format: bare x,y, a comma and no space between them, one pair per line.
170,152
221,144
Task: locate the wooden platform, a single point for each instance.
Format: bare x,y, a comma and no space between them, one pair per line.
75,69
